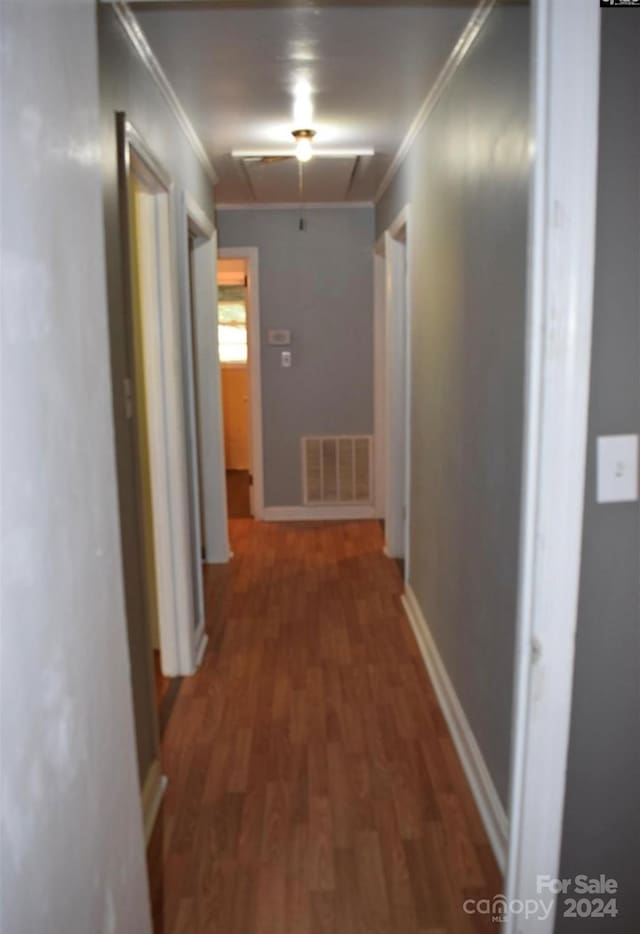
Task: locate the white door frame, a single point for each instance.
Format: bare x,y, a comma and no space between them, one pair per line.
201,381
250,254
202,289
176,625
379,381
393,381
565,87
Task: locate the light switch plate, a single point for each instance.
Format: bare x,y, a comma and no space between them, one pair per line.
285,358
617,469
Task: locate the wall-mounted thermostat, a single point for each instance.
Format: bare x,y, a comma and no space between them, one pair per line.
279,337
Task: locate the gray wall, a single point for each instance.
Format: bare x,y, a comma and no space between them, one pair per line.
602,812
319,283
125,85
466,179
71,831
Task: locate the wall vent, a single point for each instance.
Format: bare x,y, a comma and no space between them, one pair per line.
337,470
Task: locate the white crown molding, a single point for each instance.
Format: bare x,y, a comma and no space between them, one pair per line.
484,791
139,42
458,54
293,205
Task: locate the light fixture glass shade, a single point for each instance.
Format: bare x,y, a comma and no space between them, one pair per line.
304,152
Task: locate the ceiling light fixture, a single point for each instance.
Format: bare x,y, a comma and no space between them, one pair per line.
303,139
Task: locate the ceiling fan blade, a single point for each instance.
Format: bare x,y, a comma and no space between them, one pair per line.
266,160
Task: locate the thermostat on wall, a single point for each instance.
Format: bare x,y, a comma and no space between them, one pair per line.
280,337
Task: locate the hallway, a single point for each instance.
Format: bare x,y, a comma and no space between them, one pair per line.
313,785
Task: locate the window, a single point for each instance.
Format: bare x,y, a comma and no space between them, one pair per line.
232,324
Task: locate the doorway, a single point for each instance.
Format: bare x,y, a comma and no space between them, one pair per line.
392,327
199,236
239,354
153,401
233,349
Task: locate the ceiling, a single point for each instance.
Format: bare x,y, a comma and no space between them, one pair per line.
234,69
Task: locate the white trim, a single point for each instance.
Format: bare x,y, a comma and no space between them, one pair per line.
250,253
294,205
152,794
202,640
475,768
565,86
139,42
168,454
399,223
313,513
199,221
379,386
205,297
199,292
396,441
453,62
195,220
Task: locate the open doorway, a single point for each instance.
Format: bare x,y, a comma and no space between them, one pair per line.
239,354
149,248
233,348
153,403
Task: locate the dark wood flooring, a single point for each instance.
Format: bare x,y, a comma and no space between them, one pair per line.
238,499
313,785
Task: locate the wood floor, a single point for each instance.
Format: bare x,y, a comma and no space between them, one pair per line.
313,786
238,495
166,692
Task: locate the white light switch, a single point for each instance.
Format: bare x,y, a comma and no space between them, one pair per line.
617,469
285,358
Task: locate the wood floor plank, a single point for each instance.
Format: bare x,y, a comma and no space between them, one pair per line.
313,785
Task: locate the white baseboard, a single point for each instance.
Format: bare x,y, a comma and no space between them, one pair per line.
312,513
152,795
201,645
218,557
486,797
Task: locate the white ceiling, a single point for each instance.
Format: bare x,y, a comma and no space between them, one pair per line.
234,69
